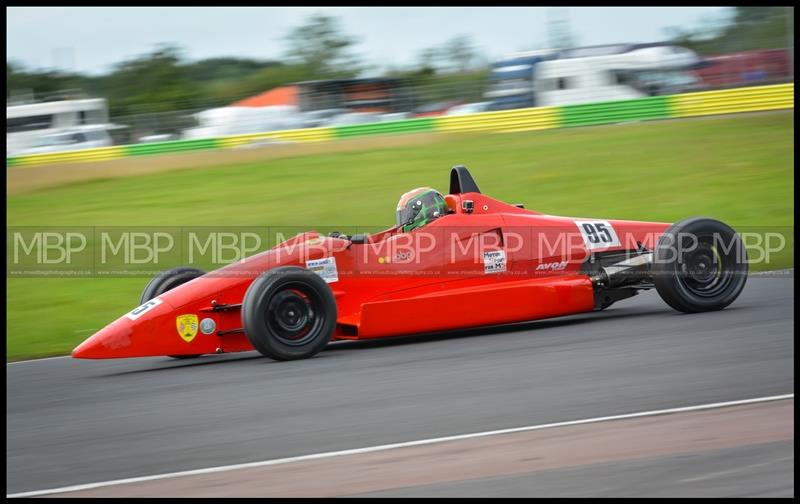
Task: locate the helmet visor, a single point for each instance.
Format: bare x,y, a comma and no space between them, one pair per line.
408,213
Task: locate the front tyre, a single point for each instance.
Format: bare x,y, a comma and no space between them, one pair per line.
289,313
168,280
699,265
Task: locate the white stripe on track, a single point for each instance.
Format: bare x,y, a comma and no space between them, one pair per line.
39,360
370,449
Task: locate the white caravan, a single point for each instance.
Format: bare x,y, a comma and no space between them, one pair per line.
605,73
27,124
70,139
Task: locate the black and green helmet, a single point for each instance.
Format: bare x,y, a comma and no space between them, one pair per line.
419,207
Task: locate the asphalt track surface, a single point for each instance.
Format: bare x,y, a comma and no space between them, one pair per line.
72,422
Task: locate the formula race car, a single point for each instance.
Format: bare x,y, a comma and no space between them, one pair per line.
452,261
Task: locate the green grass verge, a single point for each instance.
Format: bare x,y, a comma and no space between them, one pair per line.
738,169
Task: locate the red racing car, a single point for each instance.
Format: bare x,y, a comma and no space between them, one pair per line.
452,261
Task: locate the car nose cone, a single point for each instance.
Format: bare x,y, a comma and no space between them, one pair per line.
114,340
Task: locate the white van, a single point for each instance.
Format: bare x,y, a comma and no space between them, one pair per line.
26,124
605,73
87,137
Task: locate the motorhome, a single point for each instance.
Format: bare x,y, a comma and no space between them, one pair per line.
70,139
622,72
591,74
26,124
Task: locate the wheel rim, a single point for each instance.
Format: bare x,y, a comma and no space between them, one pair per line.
704,272
294,315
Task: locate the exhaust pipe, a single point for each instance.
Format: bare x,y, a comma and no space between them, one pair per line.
616,274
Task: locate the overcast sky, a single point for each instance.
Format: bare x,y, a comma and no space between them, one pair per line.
90,39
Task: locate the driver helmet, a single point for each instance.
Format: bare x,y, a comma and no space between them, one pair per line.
418,207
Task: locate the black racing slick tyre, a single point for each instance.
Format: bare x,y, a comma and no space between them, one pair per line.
167,280
699,265
289,313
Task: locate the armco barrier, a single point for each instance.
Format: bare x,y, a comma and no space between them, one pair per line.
176,146
300,135
502,122
728,101
407,126
99,154
641,109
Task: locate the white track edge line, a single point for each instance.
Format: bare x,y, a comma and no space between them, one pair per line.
370,449
38,360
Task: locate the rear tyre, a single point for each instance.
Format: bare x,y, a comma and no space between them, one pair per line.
289,313
699,265
167,280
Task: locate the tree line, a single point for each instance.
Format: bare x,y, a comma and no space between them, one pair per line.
164,80
741,29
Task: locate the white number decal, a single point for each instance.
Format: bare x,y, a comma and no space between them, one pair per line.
598,234
138,312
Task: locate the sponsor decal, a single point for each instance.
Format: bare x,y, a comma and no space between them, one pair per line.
494,261
399,257
553,266
597,234
208,326
141,310
326,268
403,256
187,326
